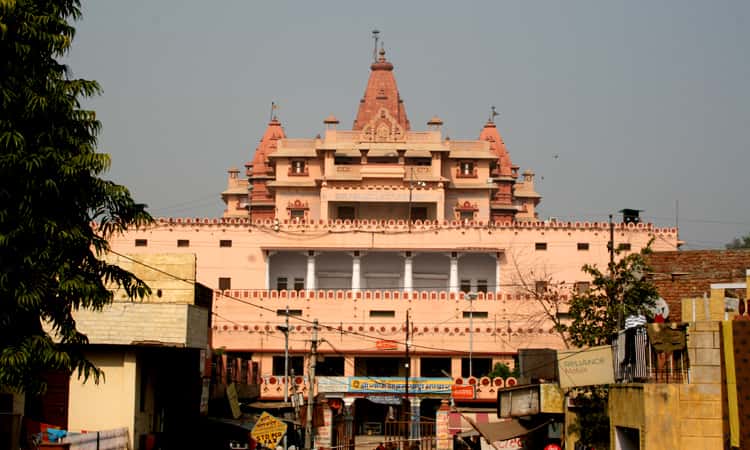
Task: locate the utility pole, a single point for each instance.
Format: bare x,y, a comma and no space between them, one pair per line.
471,296
611,246
311,385
285,329
407,365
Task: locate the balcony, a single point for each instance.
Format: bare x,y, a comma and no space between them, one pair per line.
344,294
641,356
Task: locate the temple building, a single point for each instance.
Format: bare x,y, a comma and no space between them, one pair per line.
387,236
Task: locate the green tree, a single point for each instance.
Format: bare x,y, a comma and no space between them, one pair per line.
739,243
621,291
503,371
56,213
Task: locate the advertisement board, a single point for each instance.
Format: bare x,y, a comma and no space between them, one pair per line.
586,367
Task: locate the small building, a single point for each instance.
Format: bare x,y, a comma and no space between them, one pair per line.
152,352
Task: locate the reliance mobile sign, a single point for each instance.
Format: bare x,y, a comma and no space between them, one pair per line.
586,367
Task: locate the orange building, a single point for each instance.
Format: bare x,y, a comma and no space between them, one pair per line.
368,229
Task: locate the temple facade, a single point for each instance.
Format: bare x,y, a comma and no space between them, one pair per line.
387,236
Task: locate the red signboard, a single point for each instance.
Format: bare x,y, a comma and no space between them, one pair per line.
386,345
462,392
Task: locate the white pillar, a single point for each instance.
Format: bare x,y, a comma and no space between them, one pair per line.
408,273
310,278
268,269
453,280
497,272
356,264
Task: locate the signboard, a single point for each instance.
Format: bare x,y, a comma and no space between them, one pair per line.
384,344
234,402
323,432
586,367
205,391
462,392
369,385
442,430
268,430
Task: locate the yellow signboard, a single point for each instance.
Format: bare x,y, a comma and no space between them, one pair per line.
586,367
268,430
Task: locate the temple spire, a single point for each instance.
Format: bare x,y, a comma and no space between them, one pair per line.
381,93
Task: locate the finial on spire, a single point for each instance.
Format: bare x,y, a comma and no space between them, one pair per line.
493,114
274,107
375,36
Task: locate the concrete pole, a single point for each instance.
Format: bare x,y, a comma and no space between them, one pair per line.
311,386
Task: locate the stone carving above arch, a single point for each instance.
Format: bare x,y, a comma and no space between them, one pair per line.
382,128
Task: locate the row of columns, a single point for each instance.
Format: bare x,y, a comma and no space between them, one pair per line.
453,282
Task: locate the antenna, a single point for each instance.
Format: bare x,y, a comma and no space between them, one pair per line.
375,36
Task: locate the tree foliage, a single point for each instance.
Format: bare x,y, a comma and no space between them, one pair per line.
592,421
56,213
621,291
739,243
502,370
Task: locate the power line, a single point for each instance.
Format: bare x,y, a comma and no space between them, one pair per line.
308,322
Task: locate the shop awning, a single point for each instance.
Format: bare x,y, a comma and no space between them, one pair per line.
502,431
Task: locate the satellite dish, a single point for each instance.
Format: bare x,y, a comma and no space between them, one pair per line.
660,308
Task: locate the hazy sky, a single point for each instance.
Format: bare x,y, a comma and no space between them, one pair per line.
643,102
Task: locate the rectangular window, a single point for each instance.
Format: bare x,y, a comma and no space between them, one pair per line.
467,168
583,246
540,246
183,243
225,243
476,314
331,366
225,283
382,313
281,283
296,365
292,312
141,242
467,215
465,286
482,286
624,247
298,167
297,213
540,287
479,367
299,284
434,367
581,287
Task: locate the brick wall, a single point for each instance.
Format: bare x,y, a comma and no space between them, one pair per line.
694,271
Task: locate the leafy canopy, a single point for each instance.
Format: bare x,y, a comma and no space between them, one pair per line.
622,291
739,243
56,213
